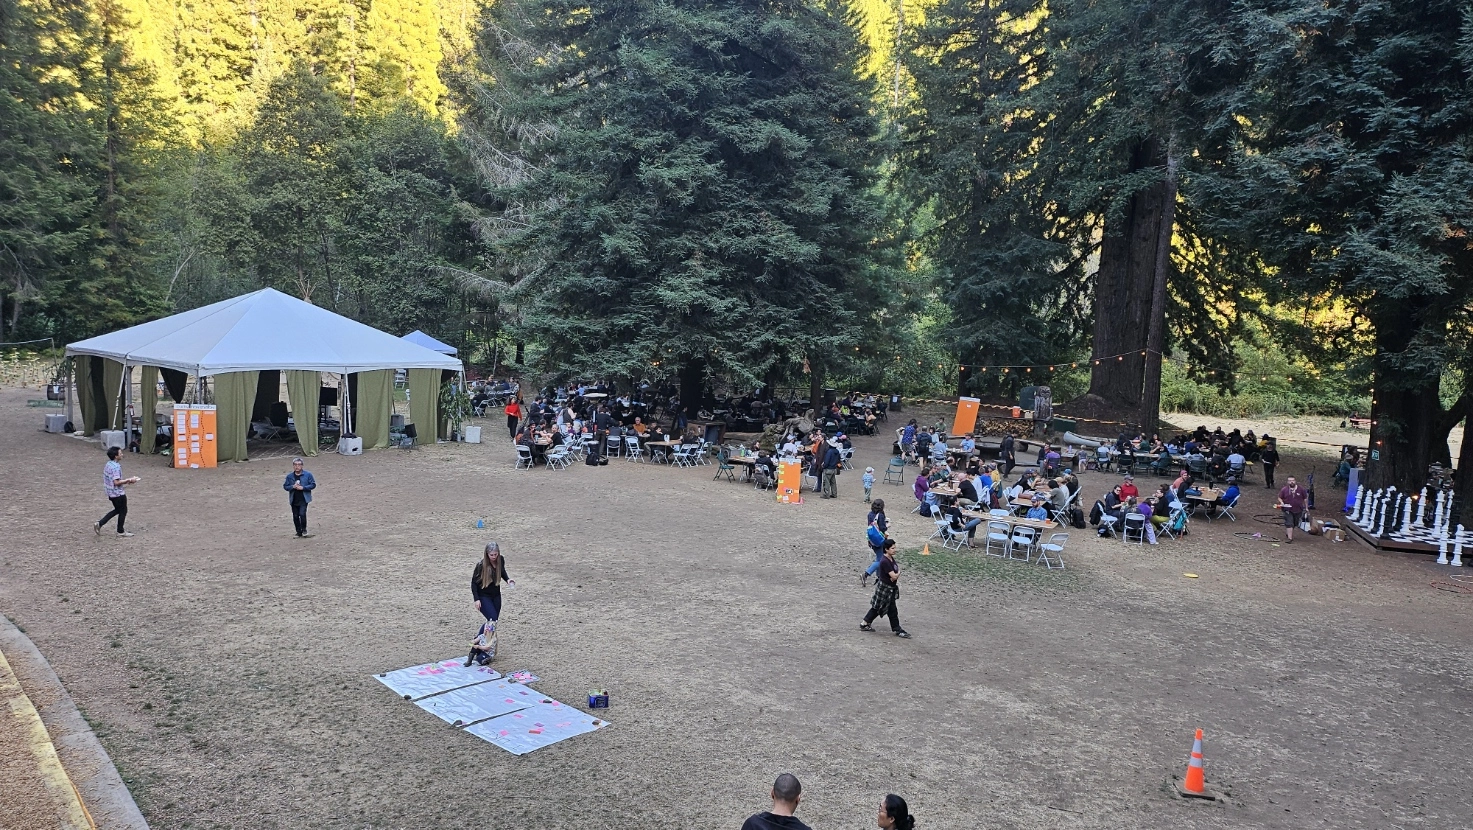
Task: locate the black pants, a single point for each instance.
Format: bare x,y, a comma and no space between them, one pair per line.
889,611
299,517
120,509
511,426
490,607
1007,466
1268,475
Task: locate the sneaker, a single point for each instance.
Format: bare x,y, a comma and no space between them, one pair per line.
866,627
97,528
902,635
864,580
125,534
308,535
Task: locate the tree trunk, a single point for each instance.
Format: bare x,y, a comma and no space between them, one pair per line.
815,387
1461,486
521,353
1409,429
1124,285
692,380
1150,416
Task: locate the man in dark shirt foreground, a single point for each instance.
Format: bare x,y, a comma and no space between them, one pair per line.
786,793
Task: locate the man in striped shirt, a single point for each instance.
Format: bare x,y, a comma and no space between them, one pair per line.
112,486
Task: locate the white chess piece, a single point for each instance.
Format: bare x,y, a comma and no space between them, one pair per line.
1368,514
1406,515
1442,550
1358,507
1458,549
1439,517
1421,505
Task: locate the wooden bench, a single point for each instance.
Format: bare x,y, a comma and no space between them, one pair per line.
1360,423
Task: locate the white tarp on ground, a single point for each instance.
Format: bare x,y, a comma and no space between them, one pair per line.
265,329
420,338
473,704
417,682
536,727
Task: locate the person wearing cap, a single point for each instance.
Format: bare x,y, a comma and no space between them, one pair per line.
1038,511
1128,489
868,480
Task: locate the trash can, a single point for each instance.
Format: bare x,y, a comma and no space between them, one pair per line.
1025,398
472,435
895,403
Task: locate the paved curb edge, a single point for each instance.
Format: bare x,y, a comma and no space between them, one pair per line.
91,768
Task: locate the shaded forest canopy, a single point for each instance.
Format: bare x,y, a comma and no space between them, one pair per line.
1139,201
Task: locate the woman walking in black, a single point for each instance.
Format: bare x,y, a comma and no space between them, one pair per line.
486,582
887,590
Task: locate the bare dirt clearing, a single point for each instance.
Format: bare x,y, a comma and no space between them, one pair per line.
227,665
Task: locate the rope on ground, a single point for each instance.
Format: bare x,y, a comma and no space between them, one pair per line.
1257,537
1269,518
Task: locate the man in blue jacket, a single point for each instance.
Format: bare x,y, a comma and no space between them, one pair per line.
299,485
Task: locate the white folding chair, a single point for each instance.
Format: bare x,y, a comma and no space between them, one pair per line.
1055,546
1107,526
1176,522
1025,537
632,450
557,458
680,455
1133,529
1227,509
942,526
524,457
612,444
999,534
951,538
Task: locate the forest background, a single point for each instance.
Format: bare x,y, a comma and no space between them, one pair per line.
1253,207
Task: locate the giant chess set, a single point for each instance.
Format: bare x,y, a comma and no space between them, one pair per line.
1389,515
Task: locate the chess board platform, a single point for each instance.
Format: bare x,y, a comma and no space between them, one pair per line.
1415,540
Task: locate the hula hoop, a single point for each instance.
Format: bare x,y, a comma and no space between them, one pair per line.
1452,589
1256,537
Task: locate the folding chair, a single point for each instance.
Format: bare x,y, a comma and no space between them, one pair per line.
1027,538
723,466
951,538
632,450
1102,459
943,525
1227,509
612,444
1055,546
1176,522
1134,526
557,458
895,473
1107,526
524,457
680,455
999,534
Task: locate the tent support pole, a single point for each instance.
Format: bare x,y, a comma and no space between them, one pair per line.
127,399
66,389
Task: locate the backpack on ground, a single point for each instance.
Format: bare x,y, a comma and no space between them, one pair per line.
1076,518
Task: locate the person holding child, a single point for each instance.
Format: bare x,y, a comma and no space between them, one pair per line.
486,582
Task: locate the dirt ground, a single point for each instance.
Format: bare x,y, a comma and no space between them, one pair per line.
227,666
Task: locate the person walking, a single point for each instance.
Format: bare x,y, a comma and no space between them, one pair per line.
894,814
887,591
1007,454
1269,457
112,487
513,415
1292,500
868,480
299,485
787,792
878,537
486,581
831,459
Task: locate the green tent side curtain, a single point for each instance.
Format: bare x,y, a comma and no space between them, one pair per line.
148,387
112,386
374,405
424,403
235,393
303,390
87,394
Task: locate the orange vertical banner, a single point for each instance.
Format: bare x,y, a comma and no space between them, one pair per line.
790,481
194,436
966,416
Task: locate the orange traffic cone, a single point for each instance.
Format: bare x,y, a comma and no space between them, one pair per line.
926,549
1194,782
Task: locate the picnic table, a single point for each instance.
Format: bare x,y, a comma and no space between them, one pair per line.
747,463
662,447
1014,521
1206,497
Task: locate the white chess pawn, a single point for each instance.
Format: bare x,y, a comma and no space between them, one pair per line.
1458,549
1442,550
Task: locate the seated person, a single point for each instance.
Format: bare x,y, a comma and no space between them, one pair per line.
1038,511
1128,489
764,472
1227,498
1236,460
923,443
967,490
922,490
960,522
1160,506
639,427
1058,494
968,445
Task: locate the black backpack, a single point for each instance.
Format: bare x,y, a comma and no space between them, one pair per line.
1076,518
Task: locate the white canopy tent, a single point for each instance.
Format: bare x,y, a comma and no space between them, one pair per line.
265,330
429,342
